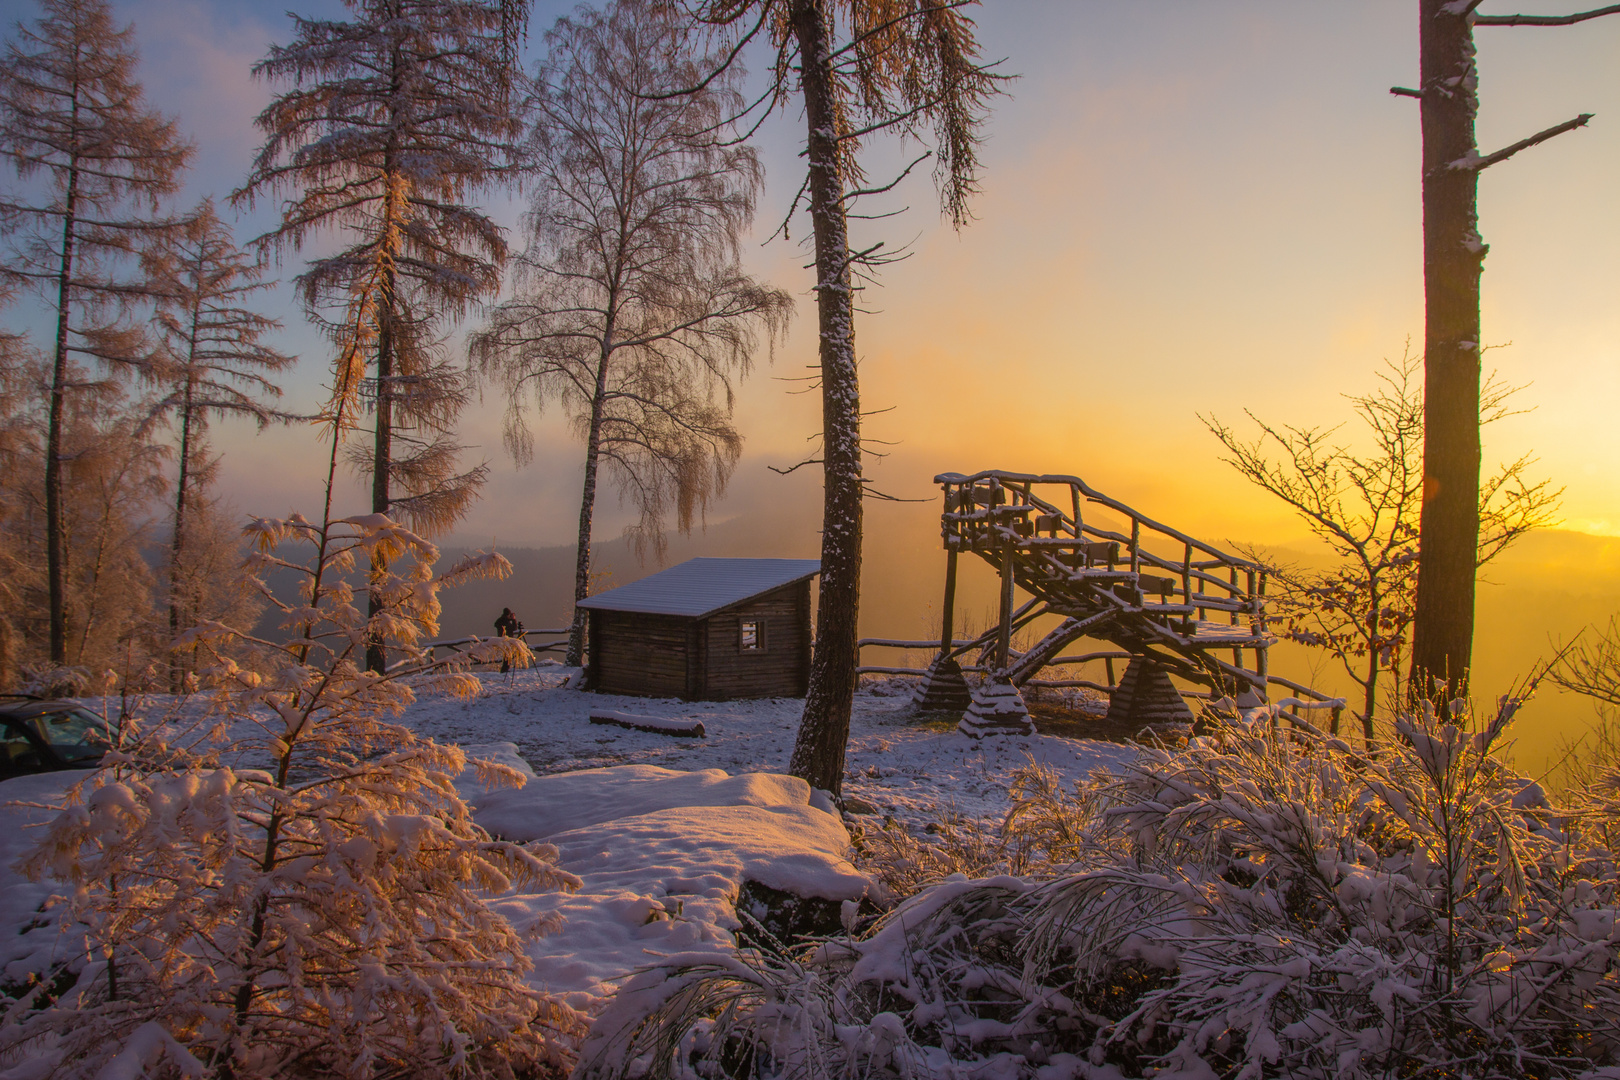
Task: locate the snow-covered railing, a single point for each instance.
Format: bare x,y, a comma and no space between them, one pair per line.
893,643
1307,700
964,645
459,644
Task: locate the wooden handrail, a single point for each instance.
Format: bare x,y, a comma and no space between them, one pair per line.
1091,495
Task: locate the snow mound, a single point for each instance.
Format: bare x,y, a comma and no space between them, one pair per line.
561,802
662,856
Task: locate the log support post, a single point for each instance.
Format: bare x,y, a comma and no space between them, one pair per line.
1004,639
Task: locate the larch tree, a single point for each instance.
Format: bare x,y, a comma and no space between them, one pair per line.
72,121
859,68
113,473
16,575
1453,260
213,362
323,914
391,121
631,311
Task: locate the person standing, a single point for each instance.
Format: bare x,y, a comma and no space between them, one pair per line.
507,625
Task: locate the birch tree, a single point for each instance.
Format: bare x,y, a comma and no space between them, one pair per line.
390,123
631,311
72,121
213,362
858,68
1453,259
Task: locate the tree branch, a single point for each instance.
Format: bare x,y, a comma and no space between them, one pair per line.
1545,20
1476,163
725,65
796,468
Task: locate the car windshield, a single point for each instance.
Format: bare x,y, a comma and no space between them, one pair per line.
75,734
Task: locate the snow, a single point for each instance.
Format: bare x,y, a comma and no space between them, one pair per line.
895,767
25,797
699,587
662,856
663,833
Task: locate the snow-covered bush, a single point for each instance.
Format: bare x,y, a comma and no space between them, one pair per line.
1044,832
301,892
1254,904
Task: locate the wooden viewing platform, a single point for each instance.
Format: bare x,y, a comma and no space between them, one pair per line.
1171,603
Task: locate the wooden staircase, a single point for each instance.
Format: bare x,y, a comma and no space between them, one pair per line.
1177,605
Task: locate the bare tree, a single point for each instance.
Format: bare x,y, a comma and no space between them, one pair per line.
1453,258
859,67
1591,666
213,362
71,112
1366,509
392,121
632,312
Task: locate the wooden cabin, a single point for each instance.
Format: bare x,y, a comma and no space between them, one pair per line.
706,630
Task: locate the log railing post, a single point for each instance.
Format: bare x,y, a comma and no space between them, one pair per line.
1187,626
1004,639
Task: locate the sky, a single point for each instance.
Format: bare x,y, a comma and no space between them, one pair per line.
1189,208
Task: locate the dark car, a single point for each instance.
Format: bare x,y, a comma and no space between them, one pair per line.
39,736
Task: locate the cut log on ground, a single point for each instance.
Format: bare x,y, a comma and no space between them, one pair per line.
658,725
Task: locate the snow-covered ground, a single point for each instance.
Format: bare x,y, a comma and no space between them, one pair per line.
662,831
895,766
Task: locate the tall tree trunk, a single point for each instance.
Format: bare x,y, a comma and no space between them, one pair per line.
177,543
55,519
587,502
818,754
1453,258
383,445
382,456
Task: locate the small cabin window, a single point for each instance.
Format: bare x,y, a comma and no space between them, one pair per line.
752,636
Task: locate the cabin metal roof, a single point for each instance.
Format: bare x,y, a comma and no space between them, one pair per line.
700,587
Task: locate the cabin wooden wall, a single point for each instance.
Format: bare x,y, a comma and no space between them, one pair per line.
701,660
781,668
644,655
